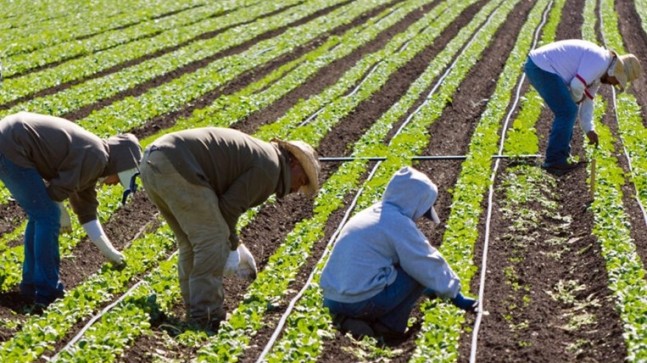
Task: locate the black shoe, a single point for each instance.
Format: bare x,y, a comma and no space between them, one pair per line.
34,309
357,327
388,335
562,169
46,300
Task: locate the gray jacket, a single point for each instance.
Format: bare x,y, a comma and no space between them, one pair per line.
382,236
67,156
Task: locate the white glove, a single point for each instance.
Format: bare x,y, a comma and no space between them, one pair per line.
106,248
241,262
99,238
247,266
66,223
231,266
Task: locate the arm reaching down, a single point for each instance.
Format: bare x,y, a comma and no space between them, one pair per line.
99,238
242,263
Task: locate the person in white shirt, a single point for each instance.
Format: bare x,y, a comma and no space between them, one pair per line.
567,74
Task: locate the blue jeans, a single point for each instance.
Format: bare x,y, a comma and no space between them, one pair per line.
557,96
40,270
391,307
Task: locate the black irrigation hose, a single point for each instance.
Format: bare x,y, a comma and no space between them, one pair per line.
423,157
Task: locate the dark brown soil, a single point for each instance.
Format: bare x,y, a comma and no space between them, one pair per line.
540,338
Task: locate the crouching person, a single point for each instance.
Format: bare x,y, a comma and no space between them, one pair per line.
382,263
45,160
202,180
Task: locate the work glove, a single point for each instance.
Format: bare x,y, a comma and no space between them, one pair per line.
106,248
465,303
233,260
593,138
99,238
66,223
241,262
247,266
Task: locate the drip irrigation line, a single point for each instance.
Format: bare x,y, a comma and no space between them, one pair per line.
331,241
105,310
368,74
422,157
617,119
359,85
284,317
624,149
486,242
87,326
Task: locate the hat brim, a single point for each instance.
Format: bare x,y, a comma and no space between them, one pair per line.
309,166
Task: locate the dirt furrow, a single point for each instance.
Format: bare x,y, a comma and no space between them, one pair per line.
546,287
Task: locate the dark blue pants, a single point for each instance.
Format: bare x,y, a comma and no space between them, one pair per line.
40,273
557,96
390,307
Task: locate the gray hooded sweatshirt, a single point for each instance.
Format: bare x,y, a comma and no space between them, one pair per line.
384,235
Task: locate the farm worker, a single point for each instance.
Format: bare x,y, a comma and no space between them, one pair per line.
382,264
202,180
45,160
567,74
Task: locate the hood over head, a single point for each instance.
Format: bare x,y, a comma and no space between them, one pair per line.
125,153
413,193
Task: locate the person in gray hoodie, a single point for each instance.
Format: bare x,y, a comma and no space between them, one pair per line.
382,263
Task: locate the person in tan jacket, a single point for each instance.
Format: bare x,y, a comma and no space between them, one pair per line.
203,180
45,160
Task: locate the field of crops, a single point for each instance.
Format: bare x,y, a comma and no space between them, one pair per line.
557,263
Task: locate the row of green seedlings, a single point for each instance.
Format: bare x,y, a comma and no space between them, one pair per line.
73,34
304,323
24,62
351,36
25,16
352,40
522,140
308,323
442,325
135,111
289,253
268,135
40,333
641,9
625,270
93,91
306,110
632,130
234,23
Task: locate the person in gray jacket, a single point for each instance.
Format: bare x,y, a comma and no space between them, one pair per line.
202,180
382,263
45,160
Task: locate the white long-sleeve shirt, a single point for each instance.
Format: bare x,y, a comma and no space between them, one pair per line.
580,64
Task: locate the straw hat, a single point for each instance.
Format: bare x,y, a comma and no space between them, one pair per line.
626,68
307,157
